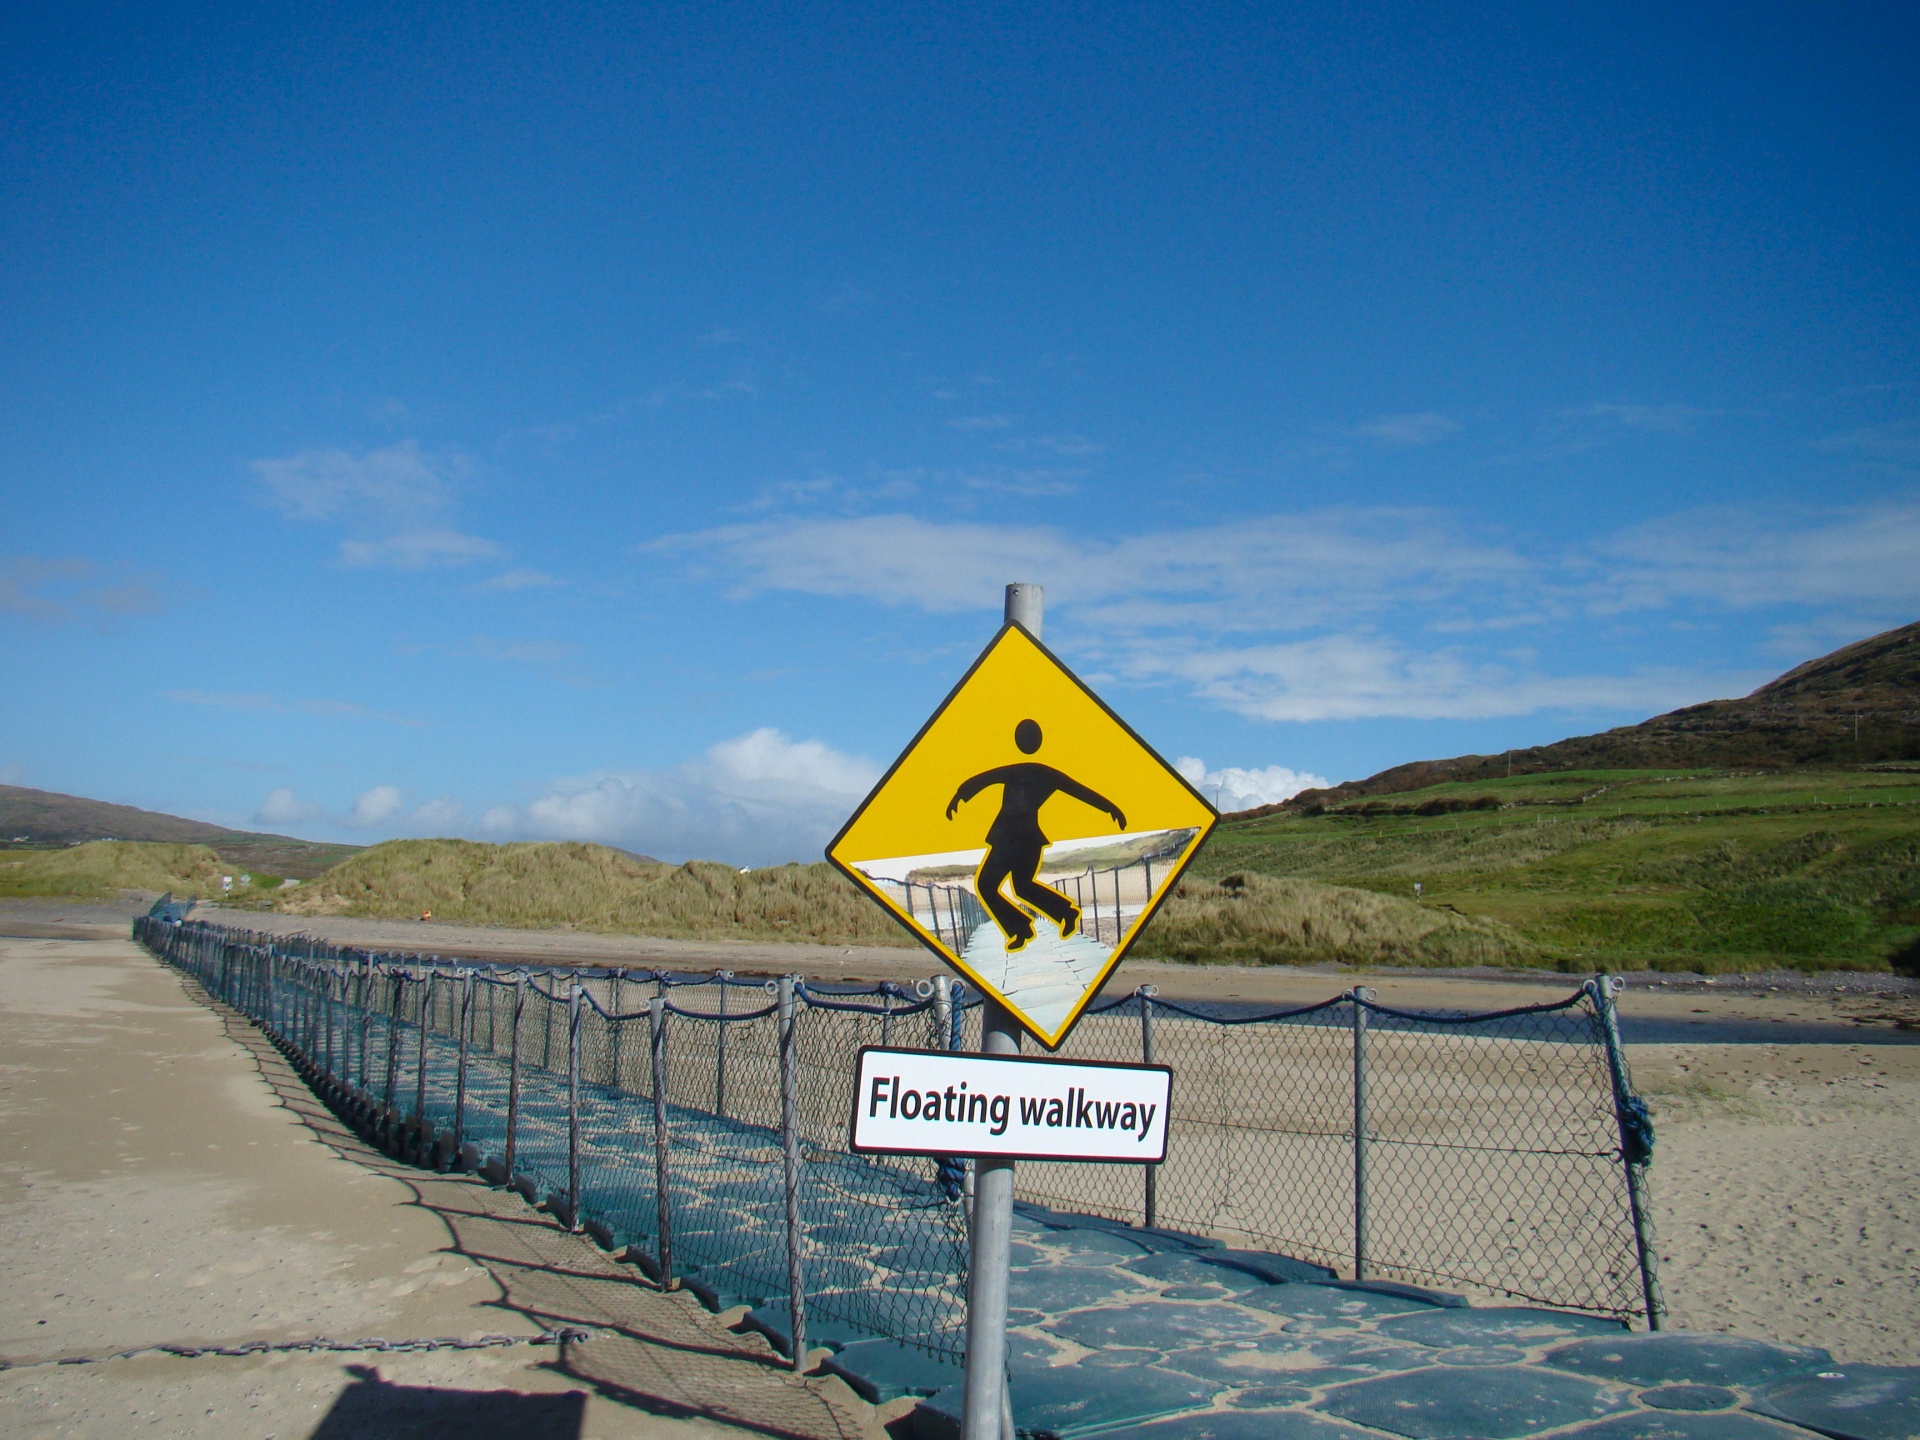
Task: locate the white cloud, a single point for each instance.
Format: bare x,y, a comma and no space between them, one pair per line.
393,503
223,702
1232,788
1419,429
417,550
267,704
1862,557
390,486
1349,613
757,799
55,590
1258,573
1898,440
1344,677
1069,445
376,806
443,813
512,580
520,652
283,807
1669,419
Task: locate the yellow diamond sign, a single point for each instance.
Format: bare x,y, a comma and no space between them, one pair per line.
1026,835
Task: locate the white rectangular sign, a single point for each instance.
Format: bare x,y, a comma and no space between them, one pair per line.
930,1102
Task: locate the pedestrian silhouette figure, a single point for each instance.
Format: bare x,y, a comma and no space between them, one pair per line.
1015,841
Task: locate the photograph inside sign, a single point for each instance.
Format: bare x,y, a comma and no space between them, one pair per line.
1043,936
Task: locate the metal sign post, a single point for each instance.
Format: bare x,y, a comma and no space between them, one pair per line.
988,1410
1025,836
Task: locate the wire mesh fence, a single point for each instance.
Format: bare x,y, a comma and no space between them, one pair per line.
699,1124
1479,1149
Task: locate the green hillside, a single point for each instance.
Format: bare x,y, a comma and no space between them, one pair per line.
1627,869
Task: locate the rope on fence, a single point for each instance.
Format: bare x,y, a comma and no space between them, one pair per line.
1503,1150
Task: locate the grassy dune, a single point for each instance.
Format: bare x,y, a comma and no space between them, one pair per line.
1247,920
1672,870
594,888
106,867
1253,919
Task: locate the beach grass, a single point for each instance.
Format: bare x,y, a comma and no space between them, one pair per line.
540,884
1247,918
107,867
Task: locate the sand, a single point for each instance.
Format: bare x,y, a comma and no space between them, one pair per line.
1786,1186
1786,1176
165,1179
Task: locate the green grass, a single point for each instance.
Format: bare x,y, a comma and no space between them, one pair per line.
589,886
1631,869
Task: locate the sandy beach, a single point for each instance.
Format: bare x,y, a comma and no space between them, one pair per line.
1784,1175
167,1180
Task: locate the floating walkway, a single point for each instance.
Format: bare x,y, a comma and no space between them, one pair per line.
1153,1335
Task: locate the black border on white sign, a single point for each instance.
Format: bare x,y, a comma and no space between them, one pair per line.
947,1152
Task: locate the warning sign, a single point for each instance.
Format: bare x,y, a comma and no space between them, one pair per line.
1025,835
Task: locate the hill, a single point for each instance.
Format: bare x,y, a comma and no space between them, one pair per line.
1858,706
1703,870
106,867
593,887
44,819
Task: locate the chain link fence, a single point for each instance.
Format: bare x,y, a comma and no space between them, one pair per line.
1499,1150
699,1126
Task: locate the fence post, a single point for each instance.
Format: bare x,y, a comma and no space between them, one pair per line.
420,1062
1151,1185
720,1047
546,1029
613,1029
663,1202
573,1105
1636,1148
1360,995
513,1075
327,984
790,1141
393,1036
460,1084
366,1018
955,1178
943,1009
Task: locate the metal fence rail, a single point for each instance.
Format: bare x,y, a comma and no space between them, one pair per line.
699,1124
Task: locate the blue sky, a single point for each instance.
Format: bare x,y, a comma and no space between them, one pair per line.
619,423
